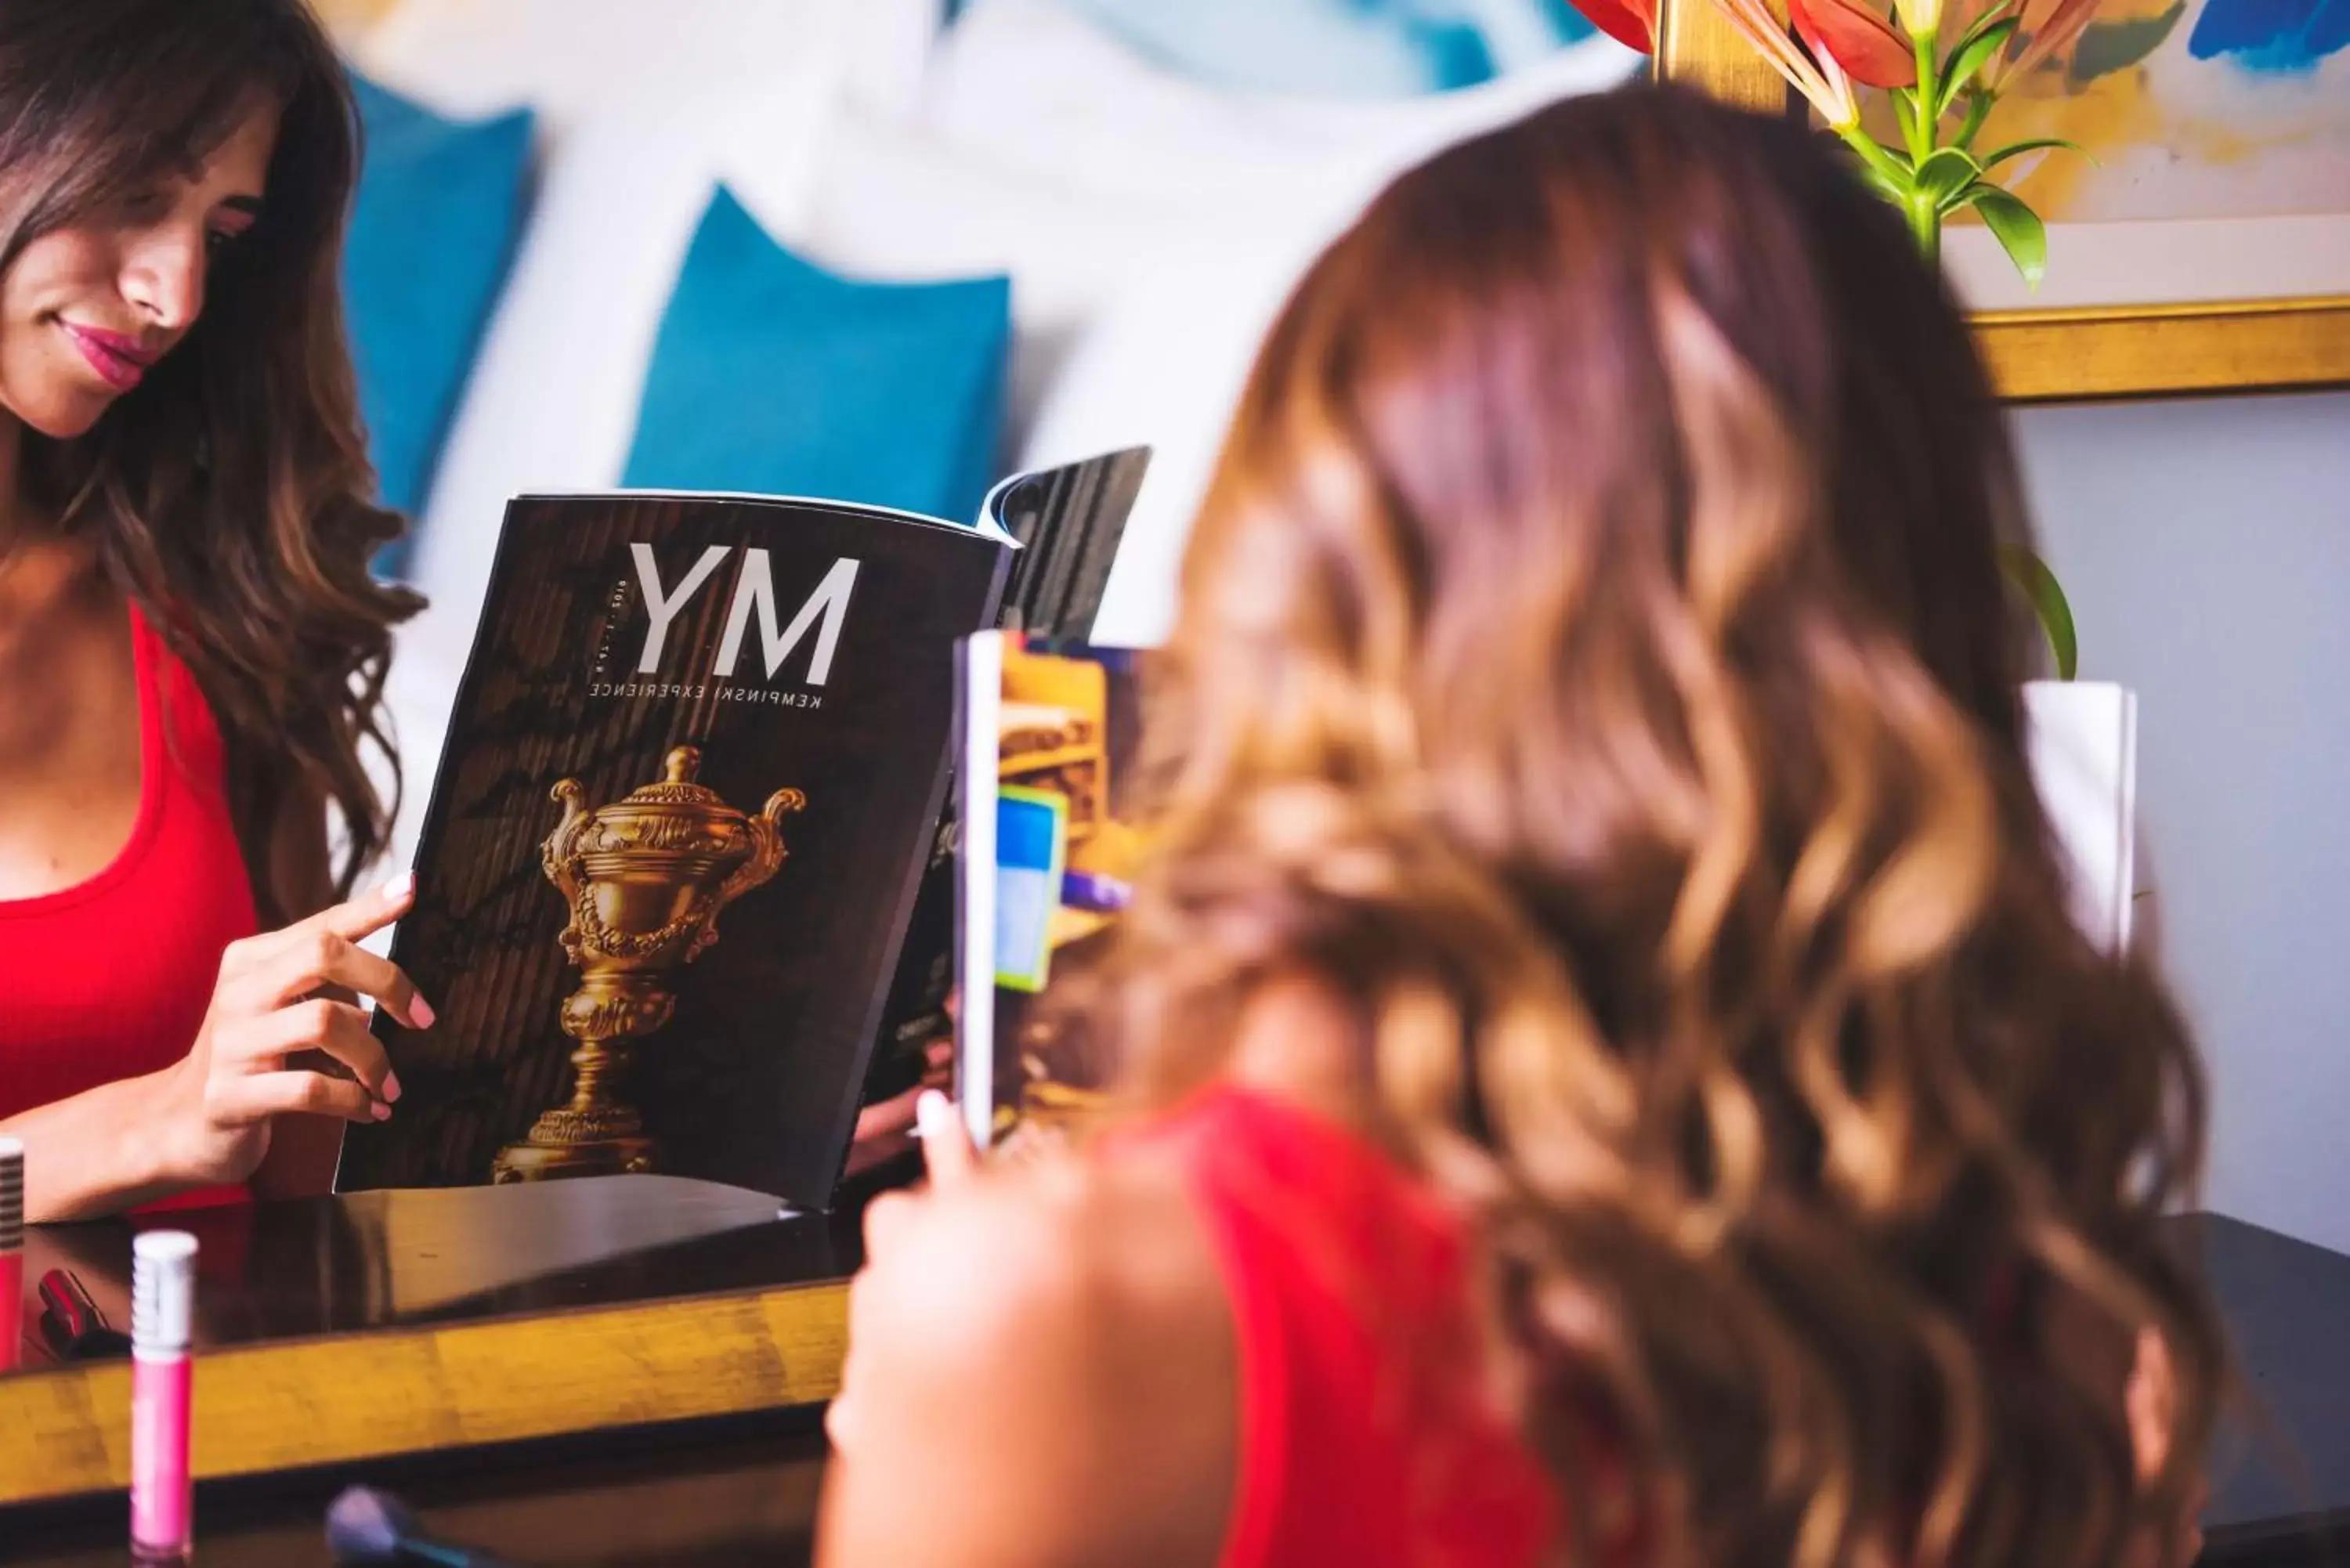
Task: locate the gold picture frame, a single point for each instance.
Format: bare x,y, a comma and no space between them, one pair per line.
2071,355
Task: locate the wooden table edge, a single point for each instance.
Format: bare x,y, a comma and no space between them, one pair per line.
339,1398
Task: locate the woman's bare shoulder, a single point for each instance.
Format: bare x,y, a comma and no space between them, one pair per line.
1084,1256
1008,1337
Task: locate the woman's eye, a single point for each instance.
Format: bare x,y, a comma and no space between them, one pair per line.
218,240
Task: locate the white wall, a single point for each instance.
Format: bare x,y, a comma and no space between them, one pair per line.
2206,547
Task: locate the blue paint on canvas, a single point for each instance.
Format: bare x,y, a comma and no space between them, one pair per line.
2285,36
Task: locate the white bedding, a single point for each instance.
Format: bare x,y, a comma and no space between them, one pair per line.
1150,226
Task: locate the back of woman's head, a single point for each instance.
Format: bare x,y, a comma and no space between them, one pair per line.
231,492
1594,669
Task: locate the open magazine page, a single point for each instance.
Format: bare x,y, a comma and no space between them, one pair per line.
1067,522
1051,732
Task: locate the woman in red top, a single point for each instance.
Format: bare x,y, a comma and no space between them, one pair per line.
192,649
1619,1083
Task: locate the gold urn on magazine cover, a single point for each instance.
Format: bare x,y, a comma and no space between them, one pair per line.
644,878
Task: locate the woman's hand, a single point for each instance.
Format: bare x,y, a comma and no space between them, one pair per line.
1042,1353
885,1129
278,998
951,1162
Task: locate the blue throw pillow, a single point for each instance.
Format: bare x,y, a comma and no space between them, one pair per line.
432,234
772,375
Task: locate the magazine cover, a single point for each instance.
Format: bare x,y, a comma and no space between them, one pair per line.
1049,731
692,782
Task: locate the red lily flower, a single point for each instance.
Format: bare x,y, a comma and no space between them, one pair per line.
1869,47
1817,76
1631,23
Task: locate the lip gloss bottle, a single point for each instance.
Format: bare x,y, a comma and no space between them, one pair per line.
162,1301
12,1252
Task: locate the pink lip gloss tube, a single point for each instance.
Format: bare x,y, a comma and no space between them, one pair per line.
12,1252
162,1309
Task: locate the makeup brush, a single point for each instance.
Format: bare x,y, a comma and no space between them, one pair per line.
368,1526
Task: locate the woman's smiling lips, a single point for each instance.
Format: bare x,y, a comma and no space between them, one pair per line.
121,360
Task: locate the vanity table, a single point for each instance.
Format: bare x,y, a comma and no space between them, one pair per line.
537,1333
631,1371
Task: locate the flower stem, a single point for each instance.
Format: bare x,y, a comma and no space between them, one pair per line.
1874,155
1925,220
1925,228
1929,88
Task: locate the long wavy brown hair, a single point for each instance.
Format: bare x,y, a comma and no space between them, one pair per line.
1592,666
230,496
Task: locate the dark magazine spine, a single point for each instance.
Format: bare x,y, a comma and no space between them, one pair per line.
889,1008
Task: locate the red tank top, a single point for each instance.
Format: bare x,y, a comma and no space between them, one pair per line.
1366,1439
111,978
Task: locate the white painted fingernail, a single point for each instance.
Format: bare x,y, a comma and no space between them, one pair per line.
398,887
933,1114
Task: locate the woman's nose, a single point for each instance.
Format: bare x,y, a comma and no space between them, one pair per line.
164,280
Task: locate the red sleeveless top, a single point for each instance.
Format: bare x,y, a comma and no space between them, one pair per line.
109,978
1366,1439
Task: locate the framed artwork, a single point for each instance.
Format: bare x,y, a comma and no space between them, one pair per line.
2206,249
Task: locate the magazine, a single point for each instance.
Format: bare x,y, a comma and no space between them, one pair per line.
1049,733
692,791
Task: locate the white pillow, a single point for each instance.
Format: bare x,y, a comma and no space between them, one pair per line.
552,401
644,108
1041,88
1262,182
575,59
886,202
1164,367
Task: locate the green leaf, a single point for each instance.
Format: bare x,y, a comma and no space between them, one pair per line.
1946,174
2029,574
1968,59
2006,10
2019,230
2018,148
2105,47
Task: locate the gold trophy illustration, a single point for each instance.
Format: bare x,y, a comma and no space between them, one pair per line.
644,878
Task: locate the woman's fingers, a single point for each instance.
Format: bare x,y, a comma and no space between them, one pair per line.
946,1145
884,1118
362,917
886,1219
358,919
315,955
336,1028
264,1095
